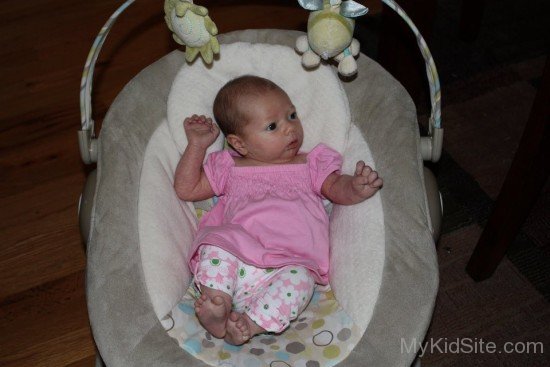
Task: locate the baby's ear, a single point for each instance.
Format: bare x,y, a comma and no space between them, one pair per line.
237,143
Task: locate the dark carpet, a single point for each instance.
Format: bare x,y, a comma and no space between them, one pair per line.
488,87
484,117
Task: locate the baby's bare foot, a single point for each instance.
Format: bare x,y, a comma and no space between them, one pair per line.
237,329
240,328
212,314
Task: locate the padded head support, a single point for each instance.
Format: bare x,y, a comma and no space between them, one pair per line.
318,95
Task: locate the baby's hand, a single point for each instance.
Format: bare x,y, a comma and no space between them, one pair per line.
365,182
200,130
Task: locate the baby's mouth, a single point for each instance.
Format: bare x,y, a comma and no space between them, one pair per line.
293,144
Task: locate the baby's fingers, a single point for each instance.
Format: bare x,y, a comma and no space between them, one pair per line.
201,119
363,169
377,183
359,168
188,122
360,181
215,127
372,175
190,119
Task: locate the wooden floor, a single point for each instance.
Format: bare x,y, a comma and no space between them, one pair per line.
43,46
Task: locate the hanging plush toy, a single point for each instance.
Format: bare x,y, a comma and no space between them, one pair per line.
330,34
192,27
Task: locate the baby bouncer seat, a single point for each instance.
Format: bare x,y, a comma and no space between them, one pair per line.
383,265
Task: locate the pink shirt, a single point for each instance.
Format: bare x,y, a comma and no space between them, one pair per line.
270,216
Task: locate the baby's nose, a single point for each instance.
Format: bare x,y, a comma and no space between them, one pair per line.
289,128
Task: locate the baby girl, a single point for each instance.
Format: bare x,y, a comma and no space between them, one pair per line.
262,248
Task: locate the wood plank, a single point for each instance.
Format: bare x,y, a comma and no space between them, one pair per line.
59,351
45,159
48,252
41,200
43,232
34,51
57,306
41,325
85,362
51,101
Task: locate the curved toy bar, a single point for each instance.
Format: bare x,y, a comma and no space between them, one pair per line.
431,145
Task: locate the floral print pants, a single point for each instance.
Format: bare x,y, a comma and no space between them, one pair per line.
270,297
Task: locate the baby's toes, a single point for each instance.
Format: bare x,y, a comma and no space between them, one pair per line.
200,301
198,310
241,324
245,332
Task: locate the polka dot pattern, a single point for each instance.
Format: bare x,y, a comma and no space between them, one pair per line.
323,335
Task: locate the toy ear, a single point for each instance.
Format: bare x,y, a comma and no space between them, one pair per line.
311,5
351,9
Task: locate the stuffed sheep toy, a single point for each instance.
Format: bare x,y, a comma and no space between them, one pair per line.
330,34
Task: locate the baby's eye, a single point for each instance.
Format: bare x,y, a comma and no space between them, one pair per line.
293,116
272,126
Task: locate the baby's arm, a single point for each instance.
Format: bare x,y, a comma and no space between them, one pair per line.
190,182
347,190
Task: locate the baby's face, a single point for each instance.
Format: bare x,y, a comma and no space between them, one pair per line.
273,132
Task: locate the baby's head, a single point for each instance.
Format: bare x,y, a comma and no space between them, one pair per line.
230,103
258,119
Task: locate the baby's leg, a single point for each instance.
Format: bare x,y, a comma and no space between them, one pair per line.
240,327
275,297
215,276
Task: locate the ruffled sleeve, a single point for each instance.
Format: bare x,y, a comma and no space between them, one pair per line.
217,167
322,161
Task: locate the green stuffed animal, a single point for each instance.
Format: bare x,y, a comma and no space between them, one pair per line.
330,34
192,27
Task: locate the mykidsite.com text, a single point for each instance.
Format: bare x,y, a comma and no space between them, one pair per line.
469,346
